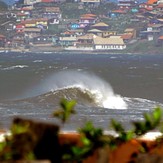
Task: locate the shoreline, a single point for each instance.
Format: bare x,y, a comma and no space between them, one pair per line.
59,50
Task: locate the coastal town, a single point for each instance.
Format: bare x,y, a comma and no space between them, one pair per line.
82,25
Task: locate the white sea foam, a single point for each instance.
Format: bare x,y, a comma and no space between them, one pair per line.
99,89
13,67
37,61
151,135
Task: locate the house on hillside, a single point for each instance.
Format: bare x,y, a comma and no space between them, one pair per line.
29,23
32,32
160,41
42,23
19,28
127,4
31,2
22,16
67,38
131,31
78,32
108,33
52,12
110,43
85,42
24,13
100,26
95,32
116,13
91,3
18,40
33,23
42,41
152,32
159,7
126,37
151,2
87,20
143,7
2,40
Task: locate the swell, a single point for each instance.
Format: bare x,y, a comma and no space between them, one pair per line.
54,97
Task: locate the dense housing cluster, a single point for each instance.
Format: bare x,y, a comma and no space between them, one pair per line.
82,24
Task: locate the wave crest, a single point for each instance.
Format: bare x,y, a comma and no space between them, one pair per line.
76,85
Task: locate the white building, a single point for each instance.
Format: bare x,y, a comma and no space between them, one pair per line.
31,2
111,43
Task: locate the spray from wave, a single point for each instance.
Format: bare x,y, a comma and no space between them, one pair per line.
99,90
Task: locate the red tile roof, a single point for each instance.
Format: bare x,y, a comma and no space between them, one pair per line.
19,26
2,36
126,36
119,11
160,5
88,15
160,38
152,1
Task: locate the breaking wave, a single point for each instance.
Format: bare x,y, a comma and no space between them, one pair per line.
83,87
13,67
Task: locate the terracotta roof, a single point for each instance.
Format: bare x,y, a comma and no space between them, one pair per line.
160,38
101,24
151,1
108,41
126,36
119,11
88,15
28,22
68,32
19,26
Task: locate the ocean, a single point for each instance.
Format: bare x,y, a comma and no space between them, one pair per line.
105,86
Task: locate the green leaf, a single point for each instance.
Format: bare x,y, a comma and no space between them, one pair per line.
117,126
67,108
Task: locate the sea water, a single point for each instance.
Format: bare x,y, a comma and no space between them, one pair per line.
106,86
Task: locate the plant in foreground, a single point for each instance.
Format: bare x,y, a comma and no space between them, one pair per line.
26,137
150,122
67,108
